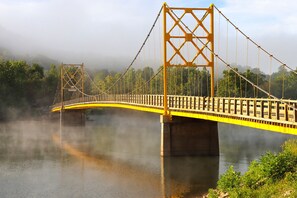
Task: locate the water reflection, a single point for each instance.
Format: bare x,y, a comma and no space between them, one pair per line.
139,160
113,156
196,174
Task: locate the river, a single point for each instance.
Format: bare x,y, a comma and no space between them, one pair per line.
116,155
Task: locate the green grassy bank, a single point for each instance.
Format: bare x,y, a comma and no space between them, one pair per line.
273,175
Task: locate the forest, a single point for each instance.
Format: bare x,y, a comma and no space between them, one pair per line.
192,81
29,89
25,90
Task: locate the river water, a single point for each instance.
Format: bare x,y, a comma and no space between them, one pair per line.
116,155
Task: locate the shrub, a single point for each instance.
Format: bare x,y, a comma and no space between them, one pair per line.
259,171
290,146
229,180
213,193
273,175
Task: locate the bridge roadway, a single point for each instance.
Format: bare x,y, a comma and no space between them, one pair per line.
260,113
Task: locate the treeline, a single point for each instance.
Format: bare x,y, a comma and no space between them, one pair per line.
282,84
191,81
25,89
181,81
30,89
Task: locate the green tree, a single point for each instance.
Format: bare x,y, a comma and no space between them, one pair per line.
291,85
232,85
52,78
278,82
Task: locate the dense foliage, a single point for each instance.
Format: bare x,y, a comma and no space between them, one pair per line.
25,89
30,88
191,81
273,175
181,81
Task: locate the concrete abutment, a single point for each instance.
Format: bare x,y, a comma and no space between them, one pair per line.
181,136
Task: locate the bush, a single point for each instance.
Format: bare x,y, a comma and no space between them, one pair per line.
273,175
229,180
290,146
213,193
259,171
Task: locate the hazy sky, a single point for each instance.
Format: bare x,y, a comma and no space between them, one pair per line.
92,30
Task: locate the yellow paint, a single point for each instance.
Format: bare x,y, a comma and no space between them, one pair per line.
257,125
211,40
188,37
263,126
165,10
110,105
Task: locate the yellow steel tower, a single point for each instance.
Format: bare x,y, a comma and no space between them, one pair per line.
200,37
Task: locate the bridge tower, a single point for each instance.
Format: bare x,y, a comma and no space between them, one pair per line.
181,135
72,87
72,81
200,37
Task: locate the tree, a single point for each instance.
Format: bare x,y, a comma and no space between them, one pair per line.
52,78
26,88
277,82
232,85
291,85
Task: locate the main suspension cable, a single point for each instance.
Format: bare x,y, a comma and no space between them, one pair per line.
148,81
139,51
92,81
269,54
223,61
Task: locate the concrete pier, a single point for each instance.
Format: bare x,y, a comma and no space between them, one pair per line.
182,136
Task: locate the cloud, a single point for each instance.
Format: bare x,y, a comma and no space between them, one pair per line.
110,32
94,28
271,23
269,16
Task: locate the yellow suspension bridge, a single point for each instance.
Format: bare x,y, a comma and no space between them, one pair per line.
187,44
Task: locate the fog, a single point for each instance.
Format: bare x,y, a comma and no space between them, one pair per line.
111,151
105,34
118,150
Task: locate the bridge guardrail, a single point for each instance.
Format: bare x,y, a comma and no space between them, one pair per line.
257,108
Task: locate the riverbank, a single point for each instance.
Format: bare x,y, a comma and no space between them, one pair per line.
273,175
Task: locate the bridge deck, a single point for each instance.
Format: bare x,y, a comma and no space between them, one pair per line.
267,114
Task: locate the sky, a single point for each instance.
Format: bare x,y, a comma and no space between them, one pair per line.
104,33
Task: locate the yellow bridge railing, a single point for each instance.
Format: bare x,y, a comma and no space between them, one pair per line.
270,111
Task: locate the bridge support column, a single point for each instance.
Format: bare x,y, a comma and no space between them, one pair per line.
182,136
74,117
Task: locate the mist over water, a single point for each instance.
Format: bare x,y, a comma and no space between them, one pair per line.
117,154
240,145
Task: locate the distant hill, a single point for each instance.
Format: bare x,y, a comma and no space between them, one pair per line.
15,47
41,60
